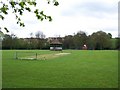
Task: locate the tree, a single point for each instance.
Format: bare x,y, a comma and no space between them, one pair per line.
114,43
80,39
22,44
40,39
101,40
68,42
1,38
13,40
10,41
19,6
118,43
40,34
31,41
91,42
6,43
110,35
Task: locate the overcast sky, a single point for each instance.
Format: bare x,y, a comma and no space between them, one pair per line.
69,17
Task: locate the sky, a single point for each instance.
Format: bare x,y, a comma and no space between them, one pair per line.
69,17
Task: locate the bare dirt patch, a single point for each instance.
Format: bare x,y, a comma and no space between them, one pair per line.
50,56
60,54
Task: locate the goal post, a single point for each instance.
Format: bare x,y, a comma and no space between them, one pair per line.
26,55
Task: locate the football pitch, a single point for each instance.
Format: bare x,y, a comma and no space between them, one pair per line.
66,69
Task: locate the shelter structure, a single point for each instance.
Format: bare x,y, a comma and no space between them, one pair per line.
55,43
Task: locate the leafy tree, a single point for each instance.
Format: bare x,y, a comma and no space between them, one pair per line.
80,39
68,42
10,42
90,43
1,38
1,35
6,43
22,44
110,35
114,43
118,43
101,40
19,6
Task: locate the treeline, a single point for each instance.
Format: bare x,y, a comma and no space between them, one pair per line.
13,42
97,41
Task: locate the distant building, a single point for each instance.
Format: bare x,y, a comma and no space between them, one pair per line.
55,43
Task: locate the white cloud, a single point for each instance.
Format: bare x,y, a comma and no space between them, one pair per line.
69,17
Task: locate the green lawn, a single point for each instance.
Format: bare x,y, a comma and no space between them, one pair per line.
80,69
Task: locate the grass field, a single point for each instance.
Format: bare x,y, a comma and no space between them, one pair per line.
79,69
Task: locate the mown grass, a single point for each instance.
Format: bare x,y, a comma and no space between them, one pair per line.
80,69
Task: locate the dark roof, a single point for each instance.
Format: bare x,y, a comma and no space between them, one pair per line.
55,42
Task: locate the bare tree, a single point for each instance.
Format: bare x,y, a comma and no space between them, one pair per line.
40,39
